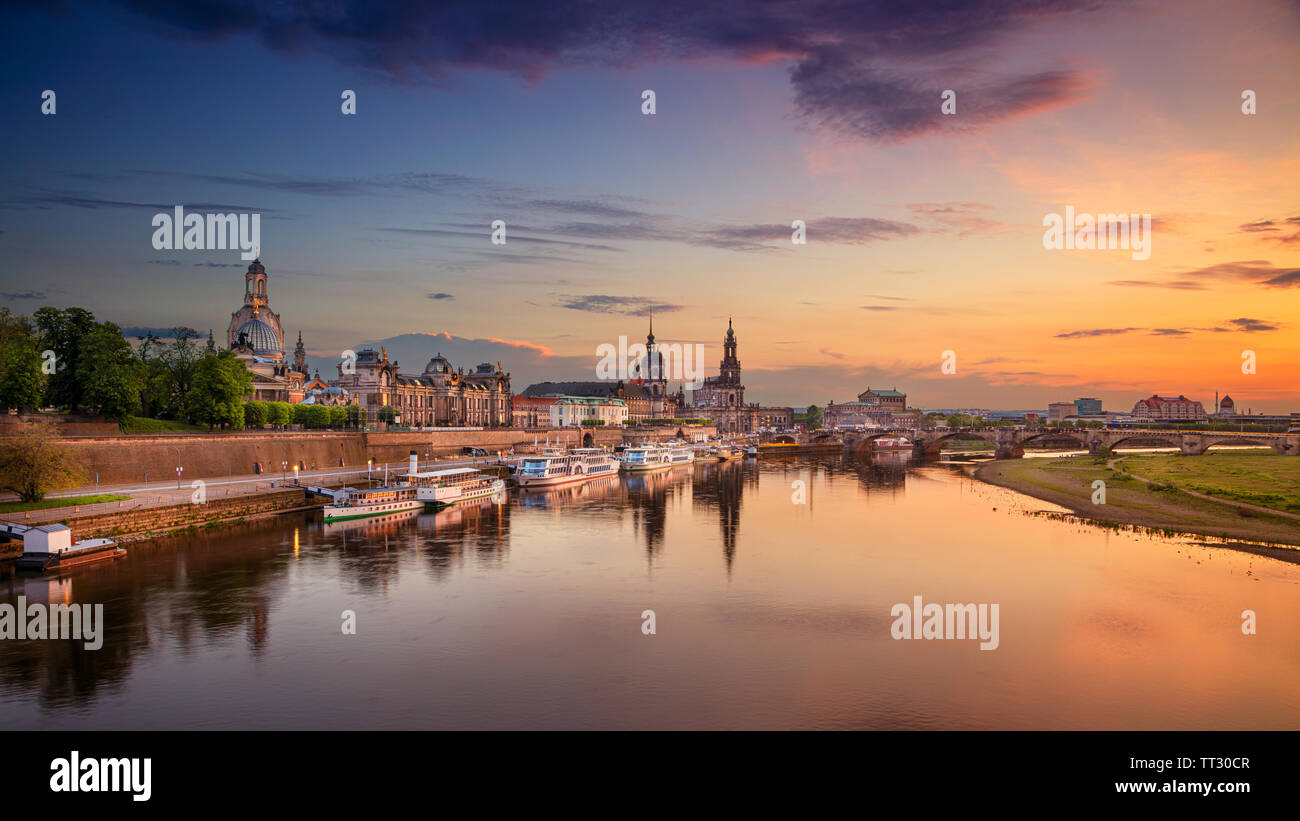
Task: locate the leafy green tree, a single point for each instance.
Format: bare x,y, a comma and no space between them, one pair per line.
814,417
387,413
300,415
958,420
34,461
256,414
216,396
109,377
338,416
279,414
356,415
22,385
63,332
318,416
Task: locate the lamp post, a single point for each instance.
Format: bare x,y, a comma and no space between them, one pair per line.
370,465
178,465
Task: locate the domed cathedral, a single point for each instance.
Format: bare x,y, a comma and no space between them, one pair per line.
650,383
722,397
441,396
256,336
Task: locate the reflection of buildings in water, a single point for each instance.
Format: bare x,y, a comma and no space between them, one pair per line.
881,470
211,584
720,486
647,495
478,529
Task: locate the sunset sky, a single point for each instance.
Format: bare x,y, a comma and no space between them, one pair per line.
924,231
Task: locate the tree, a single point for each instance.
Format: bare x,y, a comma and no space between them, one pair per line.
387,413
338,416
279,414
300,416
34,461
958,420
108,375
813,417
356,415
318,416
256,414
21,382
220,384
63,332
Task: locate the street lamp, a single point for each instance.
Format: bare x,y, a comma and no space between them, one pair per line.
284,469
295,473
370,464
178,465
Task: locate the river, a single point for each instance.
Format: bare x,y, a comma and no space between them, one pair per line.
771,608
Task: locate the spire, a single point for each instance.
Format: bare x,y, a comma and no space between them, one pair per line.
212,344
650,338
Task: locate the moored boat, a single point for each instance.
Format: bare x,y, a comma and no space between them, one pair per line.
890,443
50,547
447,487
565,467
356,503
655,457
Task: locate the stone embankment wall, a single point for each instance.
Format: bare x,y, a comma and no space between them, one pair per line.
127,459
143,523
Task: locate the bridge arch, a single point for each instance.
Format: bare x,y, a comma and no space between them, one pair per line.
588,440
1080,441
785,439
1149,440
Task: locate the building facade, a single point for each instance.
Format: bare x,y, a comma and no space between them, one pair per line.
441,396
1164,408
572,411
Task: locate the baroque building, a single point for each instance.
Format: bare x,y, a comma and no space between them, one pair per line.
873,408
256,336
441,396
722,398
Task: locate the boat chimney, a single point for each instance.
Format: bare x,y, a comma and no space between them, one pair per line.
415,463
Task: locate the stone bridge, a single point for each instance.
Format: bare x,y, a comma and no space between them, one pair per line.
1010,442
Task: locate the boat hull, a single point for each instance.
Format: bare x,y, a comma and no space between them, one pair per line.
340,513
44,563
553,481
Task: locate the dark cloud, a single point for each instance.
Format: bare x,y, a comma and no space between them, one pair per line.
879,308
441,296
16,295
871,68
1290,279
1252,325
1169,332
1094,332
627,305
1178,284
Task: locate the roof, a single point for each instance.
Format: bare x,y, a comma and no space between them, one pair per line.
432,474
588,400
592,388
884,393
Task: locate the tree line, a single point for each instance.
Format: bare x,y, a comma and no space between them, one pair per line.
64,358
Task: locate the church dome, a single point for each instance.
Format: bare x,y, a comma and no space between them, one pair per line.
260,335
438,364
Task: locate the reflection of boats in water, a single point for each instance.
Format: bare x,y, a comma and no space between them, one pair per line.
569,494
891,443
376,522
565,467
421,518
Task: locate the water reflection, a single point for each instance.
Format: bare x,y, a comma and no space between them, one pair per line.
524,614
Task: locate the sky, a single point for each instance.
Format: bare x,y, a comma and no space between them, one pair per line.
924,230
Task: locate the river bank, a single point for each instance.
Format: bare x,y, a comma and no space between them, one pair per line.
1166,492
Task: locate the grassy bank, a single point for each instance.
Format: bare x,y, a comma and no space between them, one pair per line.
1163,503
66,501
143,424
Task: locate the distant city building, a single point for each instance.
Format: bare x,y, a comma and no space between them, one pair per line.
256,336
440,396
1167,408
1057,411
873,408
1087,406
722,398
572,411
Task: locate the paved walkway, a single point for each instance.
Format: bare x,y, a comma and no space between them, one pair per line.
165,494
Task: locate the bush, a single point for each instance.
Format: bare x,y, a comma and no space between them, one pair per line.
279,414
338,416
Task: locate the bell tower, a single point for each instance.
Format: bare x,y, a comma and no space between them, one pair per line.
255,286
729,368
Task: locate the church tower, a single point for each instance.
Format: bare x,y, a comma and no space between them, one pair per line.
656,382
300,356
729,368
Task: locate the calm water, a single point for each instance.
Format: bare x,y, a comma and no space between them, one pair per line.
768,614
